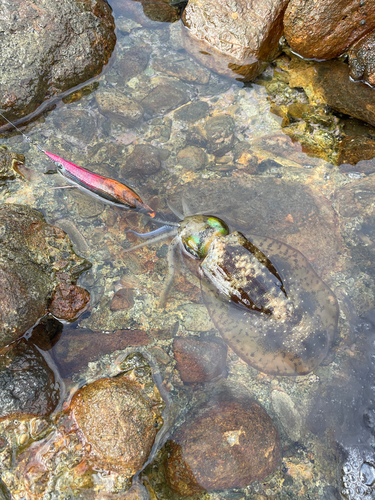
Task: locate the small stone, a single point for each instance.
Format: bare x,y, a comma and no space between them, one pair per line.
37,427
9,163
199,360
192,158
286,411
78,126
117,105
229,443
87,205
162,99
192,112
27,384
219,132
119,419
122,300
23,438
68,302
144,160
133,61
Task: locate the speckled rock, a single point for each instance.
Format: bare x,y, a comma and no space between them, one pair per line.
219,133
82,42
9,163
75,125
324,29
117,105
133,61
27,384
226,444
192,112
362,59
192,158
162,99
119,418
236,38
35,257
199,360
80,346
68,301
144,160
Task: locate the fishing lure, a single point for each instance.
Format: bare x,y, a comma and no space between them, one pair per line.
108,190
263,296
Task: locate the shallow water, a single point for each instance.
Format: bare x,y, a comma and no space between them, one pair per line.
259,181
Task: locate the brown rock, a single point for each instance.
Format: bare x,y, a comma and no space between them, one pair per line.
219,133
144,160
235,38
357,154
226,444
329,83
163,98
133,61
78,347
324,29
122,300
119,419
148,13
68,302
27,384
362,59
199,360
117,105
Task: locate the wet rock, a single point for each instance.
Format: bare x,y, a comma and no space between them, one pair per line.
192,112
75,125
329,83
9,163
234,39
285,409
362,59
133,61
68,302
148,13
357,154
117,105
181,67
46,333
162,99
87,206
219,133
245,158
78,347
119,418
27,384
35,258
122,300
321,29
82,42
192,158
228,443
144,160
199,360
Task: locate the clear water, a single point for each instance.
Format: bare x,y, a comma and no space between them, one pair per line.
266,184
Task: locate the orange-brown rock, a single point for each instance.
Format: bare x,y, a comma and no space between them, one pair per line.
362,59
234,38
226,444
122,300
357,154
118,418
324,29
68,301
199,360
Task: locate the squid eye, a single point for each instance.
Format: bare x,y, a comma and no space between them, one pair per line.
192,246
219,225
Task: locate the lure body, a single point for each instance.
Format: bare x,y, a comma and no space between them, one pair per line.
108,189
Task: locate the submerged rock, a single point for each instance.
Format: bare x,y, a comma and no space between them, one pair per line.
149,13
27,384
199,359
227,443
35,258
144,160
324,29
119,418
35,65
236,38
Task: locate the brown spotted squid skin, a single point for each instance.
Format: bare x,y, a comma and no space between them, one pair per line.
291,327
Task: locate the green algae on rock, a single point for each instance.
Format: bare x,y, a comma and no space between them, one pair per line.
295,345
